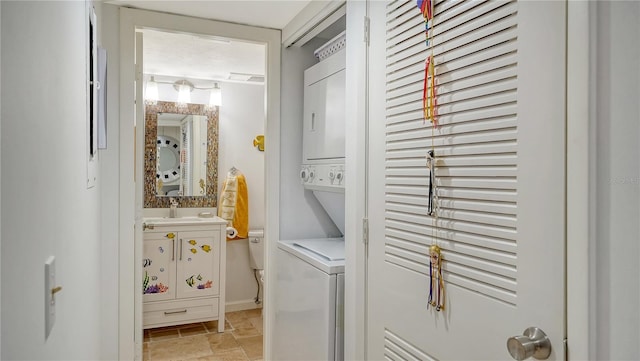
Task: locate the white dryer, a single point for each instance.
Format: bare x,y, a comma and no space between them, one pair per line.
309,319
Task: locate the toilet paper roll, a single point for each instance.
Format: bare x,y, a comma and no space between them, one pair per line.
232,232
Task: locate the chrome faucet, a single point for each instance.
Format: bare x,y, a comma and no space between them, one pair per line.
173,208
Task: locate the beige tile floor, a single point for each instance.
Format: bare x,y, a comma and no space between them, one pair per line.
241,340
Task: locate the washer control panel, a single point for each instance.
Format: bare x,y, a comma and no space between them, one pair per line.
323,176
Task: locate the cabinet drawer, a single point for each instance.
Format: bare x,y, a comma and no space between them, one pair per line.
167,313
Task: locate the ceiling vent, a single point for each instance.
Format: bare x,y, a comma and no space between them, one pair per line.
256,79
252,78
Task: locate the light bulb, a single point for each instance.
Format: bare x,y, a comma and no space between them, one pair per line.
151,91
184,94
215,98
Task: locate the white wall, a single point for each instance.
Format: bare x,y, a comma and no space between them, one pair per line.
46,206
301,216
242,117
108,32
617,187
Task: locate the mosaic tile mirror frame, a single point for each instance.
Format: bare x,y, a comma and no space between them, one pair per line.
151,199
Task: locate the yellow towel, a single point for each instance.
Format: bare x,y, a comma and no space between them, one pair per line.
234,204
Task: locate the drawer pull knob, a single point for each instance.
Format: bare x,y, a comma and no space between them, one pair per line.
174,312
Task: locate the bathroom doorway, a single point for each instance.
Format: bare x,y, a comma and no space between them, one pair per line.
225,78
241,121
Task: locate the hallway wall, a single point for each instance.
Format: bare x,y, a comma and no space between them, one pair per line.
616,131
108,38
46,206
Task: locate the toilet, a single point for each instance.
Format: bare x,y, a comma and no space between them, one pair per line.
256,259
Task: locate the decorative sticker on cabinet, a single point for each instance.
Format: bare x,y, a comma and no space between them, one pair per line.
191,281
194,251
160,249
155,288
171,235
193,242
146,262
206,248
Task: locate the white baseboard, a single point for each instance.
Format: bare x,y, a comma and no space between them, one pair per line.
241,305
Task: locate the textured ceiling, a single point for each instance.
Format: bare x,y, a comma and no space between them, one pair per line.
199,57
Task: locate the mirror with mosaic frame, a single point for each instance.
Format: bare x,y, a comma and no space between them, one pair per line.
181,155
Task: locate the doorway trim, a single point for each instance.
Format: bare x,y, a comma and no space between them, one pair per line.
130,198
580,190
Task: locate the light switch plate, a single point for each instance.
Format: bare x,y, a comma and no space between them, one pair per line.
49,300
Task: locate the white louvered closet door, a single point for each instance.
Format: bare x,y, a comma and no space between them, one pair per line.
500,179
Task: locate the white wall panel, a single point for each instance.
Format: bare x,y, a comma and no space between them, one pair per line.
46,206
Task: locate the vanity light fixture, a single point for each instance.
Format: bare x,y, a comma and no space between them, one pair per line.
151,91
184,88
215,99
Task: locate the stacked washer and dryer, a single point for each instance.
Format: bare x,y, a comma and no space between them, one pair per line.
310,272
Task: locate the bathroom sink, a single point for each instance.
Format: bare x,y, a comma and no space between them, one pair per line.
167,221
176,219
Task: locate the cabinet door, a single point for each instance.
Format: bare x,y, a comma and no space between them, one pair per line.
159,266
198,268
324,112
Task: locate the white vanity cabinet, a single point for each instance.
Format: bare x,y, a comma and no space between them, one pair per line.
183,272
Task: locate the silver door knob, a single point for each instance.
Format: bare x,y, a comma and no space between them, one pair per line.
533,342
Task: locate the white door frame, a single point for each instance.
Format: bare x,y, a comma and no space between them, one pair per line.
130,211
580,195
580,187
356,123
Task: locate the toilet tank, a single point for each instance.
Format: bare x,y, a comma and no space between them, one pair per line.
256,249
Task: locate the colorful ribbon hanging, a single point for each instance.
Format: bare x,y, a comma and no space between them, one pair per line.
426,7
436,284
429,103
431,163
436,280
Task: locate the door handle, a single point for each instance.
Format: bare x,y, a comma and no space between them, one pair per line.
533,342
180,252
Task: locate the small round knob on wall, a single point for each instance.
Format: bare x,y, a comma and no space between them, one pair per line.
533,343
